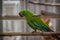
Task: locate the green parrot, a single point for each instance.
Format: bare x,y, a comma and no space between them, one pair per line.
35,22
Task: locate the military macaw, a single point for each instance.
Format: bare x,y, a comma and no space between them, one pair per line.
35,22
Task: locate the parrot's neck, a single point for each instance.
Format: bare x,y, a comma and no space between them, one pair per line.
28,16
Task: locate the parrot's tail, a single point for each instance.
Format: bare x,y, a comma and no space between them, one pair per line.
55,36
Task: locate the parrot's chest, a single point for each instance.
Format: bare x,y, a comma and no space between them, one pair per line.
30,23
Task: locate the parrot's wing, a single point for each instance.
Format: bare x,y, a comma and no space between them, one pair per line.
39,23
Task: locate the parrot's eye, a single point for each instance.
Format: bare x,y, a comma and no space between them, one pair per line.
21,14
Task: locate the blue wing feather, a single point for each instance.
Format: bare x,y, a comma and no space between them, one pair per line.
40,24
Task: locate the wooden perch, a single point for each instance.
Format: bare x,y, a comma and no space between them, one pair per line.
29,34
50,14
11,18
45,4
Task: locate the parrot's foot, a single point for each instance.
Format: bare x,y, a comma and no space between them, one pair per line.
34,31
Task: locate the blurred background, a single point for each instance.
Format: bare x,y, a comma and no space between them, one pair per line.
13,7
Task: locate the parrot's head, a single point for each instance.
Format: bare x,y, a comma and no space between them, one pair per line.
21,14
25,13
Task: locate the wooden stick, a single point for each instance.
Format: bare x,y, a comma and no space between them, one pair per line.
45,4
29,34
11,18
50,14
19,18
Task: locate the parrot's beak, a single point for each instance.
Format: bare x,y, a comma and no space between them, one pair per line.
21,15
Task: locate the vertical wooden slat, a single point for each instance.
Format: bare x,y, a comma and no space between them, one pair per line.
1,24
